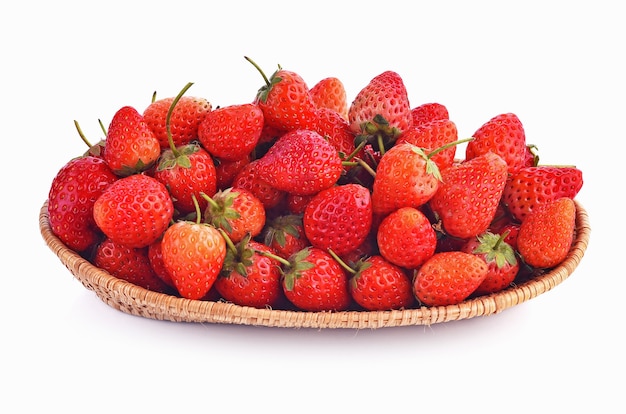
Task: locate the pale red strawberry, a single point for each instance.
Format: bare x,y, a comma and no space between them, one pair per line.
184,121
448,278
300,162
339,218
285,235
429,112
331,93
231,132
432,135
236,211
467,199
130,145
546,234
533,186
406,238
503,135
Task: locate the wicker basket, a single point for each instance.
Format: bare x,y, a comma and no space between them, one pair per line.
135,300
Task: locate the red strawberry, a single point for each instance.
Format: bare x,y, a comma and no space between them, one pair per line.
285,100
429,112
236,211
226,171
300,162
331,93
379,285
314,281
285,235
134,210
72,194
186,116
448,278
295,204
231,132
130,145
336,129
129,264
468,197
193,254
249,178
339,218
155,255
432,135
405,177
187,172
500,258
381,109
406,238
503,135
546,234
531,187
249,278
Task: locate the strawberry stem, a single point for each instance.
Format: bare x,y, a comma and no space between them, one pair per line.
168,118
267,81
81,134
341,262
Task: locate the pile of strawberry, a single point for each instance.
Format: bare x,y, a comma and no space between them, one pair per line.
297,200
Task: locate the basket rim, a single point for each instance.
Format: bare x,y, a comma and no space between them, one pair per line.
132,299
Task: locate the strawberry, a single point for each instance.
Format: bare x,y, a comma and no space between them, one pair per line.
428,112
468,197
193,254
314,281
503,135
546,234
249,278
134,210
285,235
448,278
130,145
405,177
129,264
432,135
379,285
72,194
336,129
285,100
331,93
339,218
249,179
155,256
531,187
381,110
236,211
185,119
406,238
295,204
231,132
500,258
300,162
226,171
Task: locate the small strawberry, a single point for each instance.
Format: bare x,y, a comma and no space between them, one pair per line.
72,194
285,235
448,278
184,121
503,135
250,179
300,162
129,264
546,234
406,238
130,145
231,132
331,93
134,210
379,285
226,171
155,255
500,258
531,187
429,112
468,197
336,129
432,135
314,281
339,218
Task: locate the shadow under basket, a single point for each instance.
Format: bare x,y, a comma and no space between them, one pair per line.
135,300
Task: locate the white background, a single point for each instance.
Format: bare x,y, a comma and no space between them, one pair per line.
558,65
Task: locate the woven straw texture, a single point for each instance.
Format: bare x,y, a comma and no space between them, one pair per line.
138,301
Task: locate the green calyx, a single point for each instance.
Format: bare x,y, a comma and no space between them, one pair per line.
496,249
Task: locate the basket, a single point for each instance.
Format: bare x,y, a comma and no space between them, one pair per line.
135,300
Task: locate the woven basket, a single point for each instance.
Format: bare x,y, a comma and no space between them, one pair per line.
132,299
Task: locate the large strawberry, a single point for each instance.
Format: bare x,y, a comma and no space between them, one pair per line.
130,145
339,218
468,197
300,162
231,132
503,135
546,234
73,192
531,187
134,210
448,278
331,93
